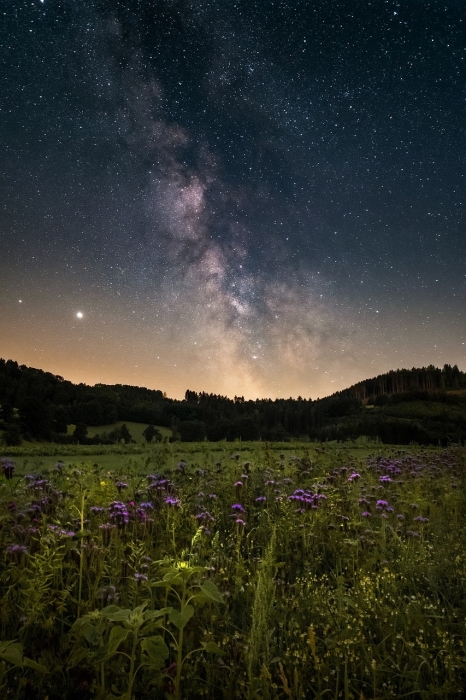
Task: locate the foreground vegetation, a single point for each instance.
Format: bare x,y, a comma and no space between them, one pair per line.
269,571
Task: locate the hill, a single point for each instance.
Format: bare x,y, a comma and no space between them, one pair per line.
425,405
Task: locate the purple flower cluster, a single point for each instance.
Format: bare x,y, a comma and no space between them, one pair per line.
16,551
306,500
60,532
204,516
159,488
383,506
8,467
172,501
119,514
106,530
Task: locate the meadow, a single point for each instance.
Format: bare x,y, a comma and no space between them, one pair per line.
232,571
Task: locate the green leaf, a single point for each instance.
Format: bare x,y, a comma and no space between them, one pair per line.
154,614
181,619
12,652
211,591
156,650
109,609
83,533
117,616
159,584
117,636
89,632
76,657
212,648
33,664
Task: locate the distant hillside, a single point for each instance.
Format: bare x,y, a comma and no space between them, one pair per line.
402,380
423,405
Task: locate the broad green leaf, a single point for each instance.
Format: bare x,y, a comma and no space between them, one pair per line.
33,664
181,619
119,615
199,598
12,652
212,648
108,610
154,614
211,591
76,657
159,584
156,650
89,632
83,533
137,611
117,636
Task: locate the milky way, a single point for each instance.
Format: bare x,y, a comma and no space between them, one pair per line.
254,198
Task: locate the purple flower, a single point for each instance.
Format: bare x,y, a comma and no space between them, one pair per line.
119,513
366,514
172,501
354,476
385,479
8,468
141,577
108,594
204,515
59,531
261,499
381,504
16,551
420,519
106,530
240,522
121,485
412,533
238,507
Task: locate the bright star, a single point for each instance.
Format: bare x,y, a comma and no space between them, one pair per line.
80,314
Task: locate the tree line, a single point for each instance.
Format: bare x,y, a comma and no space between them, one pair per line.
401,406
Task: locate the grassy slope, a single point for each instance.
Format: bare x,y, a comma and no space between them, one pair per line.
136,430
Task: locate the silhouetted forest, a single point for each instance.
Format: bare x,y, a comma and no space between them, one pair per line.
423,405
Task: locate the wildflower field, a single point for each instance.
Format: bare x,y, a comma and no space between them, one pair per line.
252,571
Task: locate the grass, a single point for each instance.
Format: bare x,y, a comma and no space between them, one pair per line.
136,430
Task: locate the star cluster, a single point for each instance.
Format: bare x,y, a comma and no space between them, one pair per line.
241,197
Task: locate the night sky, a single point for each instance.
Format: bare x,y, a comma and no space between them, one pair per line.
261,198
